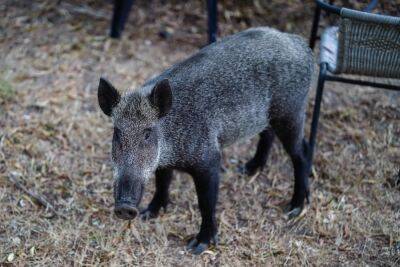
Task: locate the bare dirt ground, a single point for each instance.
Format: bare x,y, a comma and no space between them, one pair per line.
55,141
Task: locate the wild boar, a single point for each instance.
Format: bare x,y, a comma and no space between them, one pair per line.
253,82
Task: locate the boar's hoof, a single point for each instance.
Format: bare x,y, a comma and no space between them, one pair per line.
250,169
148,214
293,212
196,247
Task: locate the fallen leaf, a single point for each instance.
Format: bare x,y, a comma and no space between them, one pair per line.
32,251
10,257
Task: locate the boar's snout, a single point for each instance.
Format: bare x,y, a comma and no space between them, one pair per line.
128,192
125,211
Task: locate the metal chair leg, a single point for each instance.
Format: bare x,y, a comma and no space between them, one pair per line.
212,20
120,16
314,30
316,112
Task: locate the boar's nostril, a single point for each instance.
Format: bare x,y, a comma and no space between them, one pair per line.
126,212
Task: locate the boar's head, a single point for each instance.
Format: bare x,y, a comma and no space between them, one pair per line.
137,139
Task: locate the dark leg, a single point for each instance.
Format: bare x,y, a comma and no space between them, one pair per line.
160,198
264,145
212,20
120,16
206,179
301,187
315,116
290,133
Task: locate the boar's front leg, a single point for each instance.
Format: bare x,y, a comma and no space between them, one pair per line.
161,196
206,179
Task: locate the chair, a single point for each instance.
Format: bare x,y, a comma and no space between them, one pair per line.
122,8
362,44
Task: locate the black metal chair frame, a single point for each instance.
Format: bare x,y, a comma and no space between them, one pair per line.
325,76
123,7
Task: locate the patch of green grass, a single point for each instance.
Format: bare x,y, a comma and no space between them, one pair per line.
6,90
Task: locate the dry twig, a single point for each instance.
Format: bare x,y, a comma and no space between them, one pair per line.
39,199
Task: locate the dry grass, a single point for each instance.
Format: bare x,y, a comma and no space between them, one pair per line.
56,142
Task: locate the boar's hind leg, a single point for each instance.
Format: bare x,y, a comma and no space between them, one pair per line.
160,198
206,179
290,133
259,160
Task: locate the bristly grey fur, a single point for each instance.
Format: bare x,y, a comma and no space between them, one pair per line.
229,90
252,82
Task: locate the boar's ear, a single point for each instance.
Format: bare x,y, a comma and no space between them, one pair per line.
161,97
108,96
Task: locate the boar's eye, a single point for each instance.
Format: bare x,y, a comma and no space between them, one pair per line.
147,133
